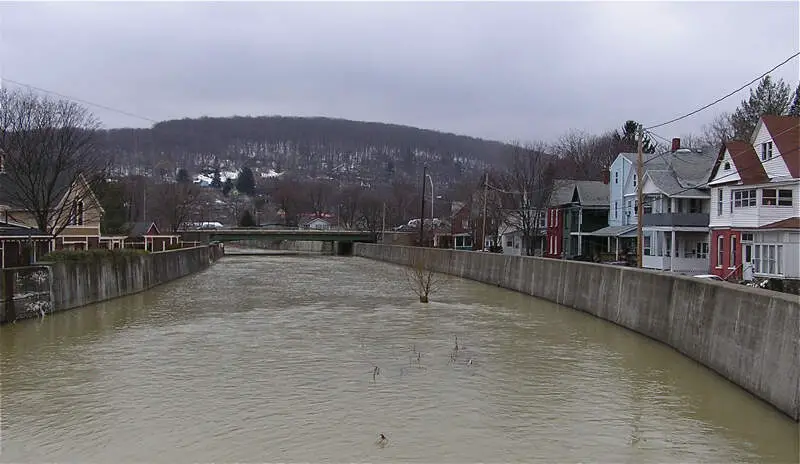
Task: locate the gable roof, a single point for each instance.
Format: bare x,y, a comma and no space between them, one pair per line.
589,192
592,192
140,229
785,133
746,161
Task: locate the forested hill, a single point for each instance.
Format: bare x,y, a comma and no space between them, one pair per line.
311,146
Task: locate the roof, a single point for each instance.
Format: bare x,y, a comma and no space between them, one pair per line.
785,133
13,230
791,223
139,229
613,231
746,160
590,192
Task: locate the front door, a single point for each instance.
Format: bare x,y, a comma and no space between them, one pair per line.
747,262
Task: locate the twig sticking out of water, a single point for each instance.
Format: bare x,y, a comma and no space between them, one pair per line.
376,372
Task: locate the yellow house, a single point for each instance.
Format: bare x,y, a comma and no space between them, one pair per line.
79,212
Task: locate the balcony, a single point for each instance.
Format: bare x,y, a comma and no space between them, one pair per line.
676,219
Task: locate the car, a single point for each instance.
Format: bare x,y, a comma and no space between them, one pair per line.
709,277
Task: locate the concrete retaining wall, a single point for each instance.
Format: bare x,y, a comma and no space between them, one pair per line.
750,336
307,246
77,284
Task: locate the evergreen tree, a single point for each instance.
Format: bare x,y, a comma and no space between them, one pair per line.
246,182
216,182
629,140
247,220
770,97
227,186
794,110
182,177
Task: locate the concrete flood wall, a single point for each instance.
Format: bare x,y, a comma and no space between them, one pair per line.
75,284
750,336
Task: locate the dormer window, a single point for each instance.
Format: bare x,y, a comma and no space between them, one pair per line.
766,151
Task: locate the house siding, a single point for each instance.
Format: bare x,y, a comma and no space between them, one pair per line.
726,175
554,245
620,170
776,166
752,216
724,267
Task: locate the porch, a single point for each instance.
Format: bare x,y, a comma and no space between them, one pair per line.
675,250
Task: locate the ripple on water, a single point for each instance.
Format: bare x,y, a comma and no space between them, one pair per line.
272,359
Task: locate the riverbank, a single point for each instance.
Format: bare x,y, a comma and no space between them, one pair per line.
51,287
749,336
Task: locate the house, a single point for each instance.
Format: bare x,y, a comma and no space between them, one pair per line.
460,236
317,221
146,236
21,245
577,208
79,207
755,189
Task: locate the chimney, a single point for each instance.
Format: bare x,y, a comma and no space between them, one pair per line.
606,176
676,144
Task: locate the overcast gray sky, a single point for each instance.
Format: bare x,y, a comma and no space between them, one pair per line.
495,70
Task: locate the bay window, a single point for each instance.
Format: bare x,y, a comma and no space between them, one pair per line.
744,198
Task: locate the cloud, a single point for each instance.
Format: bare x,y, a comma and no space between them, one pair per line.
496,70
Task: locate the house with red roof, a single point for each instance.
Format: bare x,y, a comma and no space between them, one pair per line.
755,204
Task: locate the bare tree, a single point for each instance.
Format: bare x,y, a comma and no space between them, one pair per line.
48,156
527,187
584,156
371,210
718,131
422,279
177,204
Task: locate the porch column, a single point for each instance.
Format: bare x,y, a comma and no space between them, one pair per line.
672,253
580,237
616,251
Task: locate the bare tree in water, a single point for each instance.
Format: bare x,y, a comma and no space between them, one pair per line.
422,279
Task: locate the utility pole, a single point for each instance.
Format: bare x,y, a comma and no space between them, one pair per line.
422,206
383,220
485,190
640,205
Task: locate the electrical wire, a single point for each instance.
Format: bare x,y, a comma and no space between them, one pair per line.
654,126
79,100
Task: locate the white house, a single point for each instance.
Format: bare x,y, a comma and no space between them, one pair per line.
755,189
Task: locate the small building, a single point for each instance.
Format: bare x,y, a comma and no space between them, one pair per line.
21,245
146,236
317,221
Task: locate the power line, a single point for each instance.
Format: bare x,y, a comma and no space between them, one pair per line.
79,100
725,97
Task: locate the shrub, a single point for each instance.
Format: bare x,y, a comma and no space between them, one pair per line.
100,254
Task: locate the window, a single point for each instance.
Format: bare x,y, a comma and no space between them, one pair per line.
719,202
747,237
766,151
784,198
744,198
701,251
648,206
769,197
509,242
695,205
646,245
768,259
76,213
727,166
616,209
720,250
616,177
634,180
732,262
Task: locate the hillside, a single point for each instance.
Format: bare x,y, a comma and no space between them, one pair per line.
342,149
